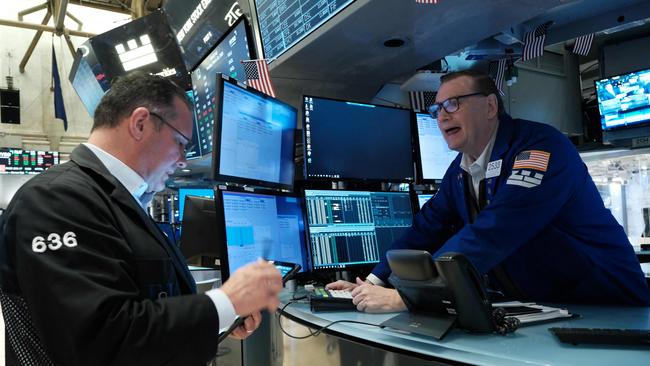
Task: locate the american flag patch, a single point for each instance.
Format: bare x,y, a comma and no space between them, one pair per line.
532,159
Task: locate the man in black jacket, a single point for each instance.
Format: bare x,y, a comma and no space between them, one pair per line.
86,277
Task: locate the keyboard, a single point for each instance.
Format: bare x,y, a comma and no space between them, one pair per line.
633,337
322,299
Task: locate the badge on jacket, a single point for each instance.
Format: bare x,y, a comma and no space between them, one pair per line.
529,168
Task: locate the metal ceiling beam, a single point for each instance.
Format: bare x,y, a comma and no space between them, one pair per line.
75,19
45,28
59,15
32,45
33,9
103,6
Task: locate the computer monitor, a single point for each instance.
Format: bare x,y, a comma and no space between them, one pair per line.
225,58
254,137
200,235
356,141
282,26
354,228
191,191
19,161
433,156
88,78
195,152
423,198
260,225
624,105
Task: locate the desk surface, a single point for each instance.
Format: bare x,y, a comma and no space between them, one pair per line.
533,345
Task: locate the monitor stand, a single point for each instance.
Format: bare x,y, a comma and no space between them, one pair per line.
430,325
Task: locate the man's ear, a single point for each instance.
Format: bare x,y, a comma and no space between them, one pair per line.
493,106
136,122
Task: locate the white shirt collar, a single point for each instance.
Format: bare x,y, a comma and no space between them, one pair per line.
131,180
477,169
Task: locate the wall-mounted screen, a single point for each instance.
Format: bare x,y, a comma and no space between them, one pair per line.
225,58
199,24
283,24
195,152
254,137
349,140
18,161
624,100
354,228
433,155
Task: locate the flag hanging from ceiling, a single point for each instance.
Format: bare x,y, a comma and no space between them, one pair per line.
421,100
59,107
257,75
534,42
426,1
501,71
582,45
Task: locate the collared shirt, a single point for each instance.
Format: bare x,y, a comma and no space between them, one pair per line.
137,186
476,169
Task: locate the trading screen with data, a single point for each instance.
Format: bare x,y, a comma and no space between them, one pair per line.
18,161
354,228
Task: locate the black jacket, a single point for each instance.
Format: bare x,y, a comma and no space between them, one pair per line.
88,279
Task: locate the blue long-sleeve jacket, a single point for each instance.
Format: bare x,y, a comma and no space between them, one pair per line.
545,223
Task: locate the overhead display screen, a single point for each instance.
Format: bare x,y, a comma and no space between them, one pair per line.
199,24
285,22
226,59
18,161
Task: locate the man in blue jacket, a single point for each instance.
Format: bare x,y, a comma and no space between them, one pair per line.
519,203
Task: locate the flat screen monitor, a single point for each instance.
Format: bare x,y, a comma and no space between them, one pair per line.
254,137
200,235
19,161
423,198
283,26
347,140
145,44
261,225
433,156
88,80
198,192
354,228
225,58
624,100
199,24
195,152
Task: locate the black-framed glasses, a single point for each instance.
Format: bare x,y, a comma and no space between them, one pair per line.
450,105
187,146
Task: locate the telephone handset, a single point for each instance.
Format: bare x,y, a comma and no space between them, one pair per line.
446,286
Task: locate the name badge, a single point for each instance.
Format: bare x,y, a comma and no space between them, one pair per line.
493,169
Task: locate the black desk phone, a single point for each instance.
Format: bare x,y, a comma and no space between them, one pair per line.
448,286
287,270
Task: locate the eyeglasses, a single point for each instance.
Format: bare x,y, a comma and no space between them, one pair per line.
450,105
187,145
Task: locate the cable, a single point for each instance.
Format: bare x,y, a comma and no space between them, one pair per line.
321,329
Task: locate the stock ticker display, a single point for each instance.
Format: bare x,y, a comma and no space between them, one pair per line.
351,228
18,161
285,22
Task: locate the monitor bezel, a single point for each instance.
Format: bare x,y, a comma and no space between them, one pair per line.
420,179
356,179
216,138
217,253
308,232
249,40
600,116
221,221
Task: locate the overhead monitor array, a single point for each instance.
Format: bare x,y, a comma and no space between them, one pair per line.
19,161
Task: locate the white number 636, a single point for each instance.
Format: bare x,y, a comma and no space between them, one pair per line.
54,242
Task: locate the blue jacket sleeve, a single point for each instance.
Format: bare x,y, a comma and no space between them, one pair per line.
432,226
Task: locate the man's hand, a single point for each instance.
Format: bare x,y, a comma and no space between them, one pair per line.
342,285
376,299
251,323
254,287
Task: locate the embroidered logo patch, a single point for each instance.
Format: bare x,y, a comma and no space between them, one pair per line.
525,178
532,159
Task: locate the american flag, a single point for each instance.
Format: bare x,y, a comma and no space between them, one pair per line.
421,100
534,42
257,75
583,44
532,159
501,70
426,1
